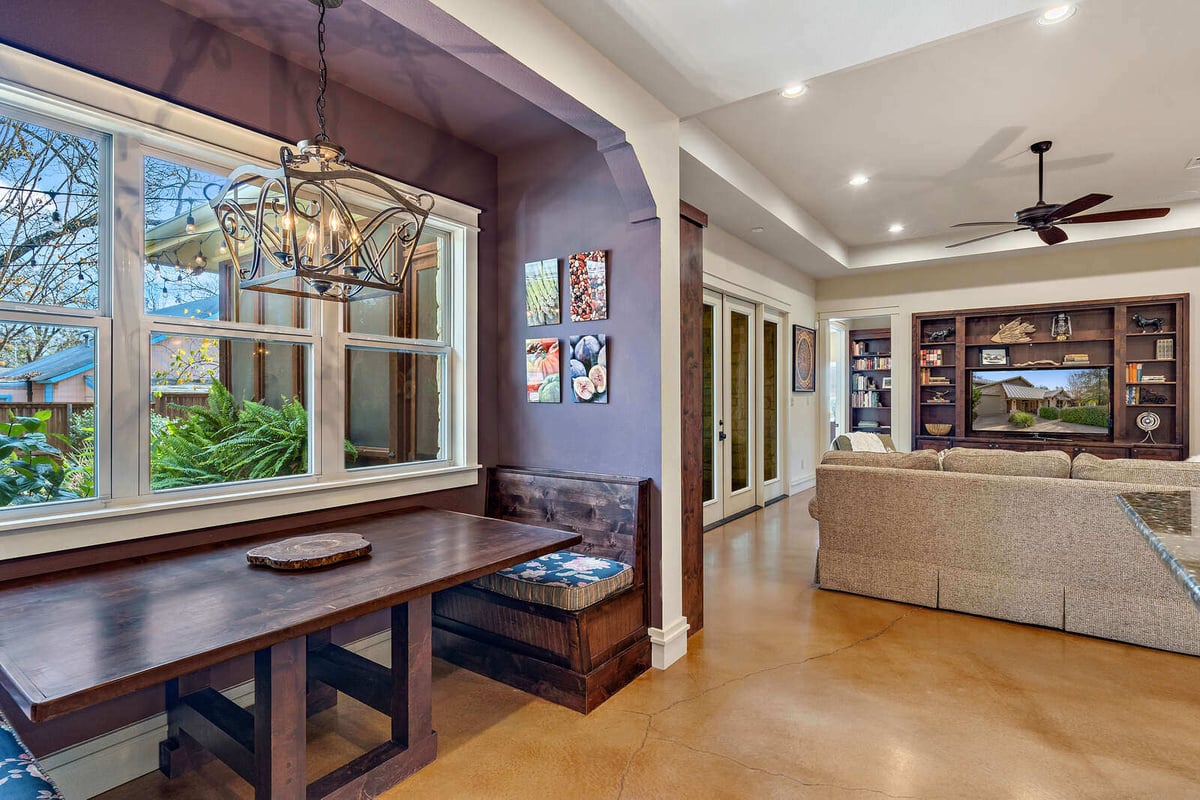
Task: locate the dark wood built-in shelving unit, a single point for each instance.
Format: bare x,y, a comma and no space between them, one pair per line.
870,363
1104,330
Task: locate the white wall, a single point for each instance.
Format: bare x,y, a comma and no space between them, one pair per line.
734,267
1053,274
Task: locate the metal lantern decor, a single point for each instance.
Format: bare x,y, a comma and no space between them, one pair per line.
1060,329
305,241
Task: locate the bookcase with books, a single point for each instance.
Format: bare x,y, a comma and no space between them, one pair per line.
871,380
1108,377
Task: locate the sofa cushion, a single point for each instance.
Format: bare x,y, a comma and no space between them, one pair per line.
20,776
920,459
1088,467
1036,464
564,580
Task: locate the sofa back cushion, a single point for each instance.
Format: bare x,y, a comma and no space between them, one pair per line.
921,459
1088,467
1036,464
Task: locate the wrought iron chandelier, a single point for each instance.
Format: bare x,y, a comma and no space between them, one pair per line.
303,238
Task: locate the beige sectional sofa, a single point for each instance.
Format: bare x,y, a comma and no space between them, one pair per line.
1007,535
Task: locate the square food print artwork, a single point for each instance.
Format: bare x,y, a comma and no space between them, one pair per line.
589,286
542,304
542,382
589,368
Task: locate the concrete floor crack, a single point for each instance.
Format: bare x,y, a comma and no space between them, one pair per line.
629,762
818,656
808,784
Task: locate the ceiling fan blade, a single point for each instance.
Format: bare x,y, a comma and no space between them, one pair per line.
1080,204
1119,216
981,238
1052,235
973,224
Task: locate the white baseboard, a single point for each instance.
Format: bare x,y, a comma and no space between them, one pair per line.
105,762
803,483
668,644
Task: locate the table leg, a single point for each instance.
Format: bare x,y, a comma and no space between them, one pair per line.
405,692
179,752
279,721
321,696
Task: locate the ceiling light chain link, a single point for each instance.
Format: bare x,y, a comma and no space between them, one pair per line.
324,74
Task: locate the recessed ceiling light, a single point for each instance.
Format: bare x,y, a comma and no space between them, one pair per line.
793,91
758,229
859,180
895,227
1057,14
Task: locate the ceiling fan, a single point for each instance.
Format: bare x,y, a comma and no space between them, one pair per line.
1044,218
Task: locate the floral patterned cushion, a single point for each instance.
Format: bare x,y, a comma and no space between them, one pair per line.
20,776
564,580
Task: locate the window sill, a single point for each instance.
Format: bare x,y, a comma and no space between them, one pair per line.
75,525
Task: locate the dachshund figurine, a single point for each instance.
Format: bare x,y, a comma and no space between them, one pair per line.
1148,322
942,335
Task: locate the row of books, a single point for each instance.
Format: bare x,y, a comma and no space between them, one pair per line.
864,382
860,348
1136,395
1134,374
931,358
865,400
929,379
875,362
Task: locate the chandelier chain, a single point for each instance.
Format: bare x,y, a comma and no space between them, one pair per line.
324,73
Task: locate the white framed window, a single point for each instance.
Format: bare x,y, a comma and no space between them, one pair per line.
202,404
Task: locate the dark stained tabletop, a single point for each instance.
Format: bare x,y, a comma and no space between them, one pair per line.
75,638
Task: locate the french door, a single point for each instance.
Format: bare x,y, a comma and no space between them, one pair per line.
731,391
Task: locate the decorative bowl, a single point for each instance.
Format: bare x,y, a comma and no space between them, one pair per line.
937,429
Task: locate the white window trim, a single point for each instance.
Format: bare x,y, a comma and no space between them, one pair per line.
140,125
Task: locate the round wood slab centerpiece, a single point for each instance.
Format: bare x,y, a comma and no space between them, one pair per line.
310,552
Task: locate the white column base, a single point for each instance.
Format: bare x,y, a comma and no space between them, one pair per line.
668,644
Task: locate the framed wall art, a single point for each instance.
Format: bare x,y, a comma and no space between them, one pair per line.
588,275
804,359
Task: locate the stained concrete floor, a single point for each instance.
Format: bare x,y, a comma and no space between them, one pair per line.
794,692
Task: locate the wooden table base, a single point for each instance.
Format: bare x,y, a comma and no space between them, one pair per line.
296,677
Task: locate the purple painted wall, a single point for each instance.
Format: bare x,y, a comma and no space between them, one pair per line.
557,199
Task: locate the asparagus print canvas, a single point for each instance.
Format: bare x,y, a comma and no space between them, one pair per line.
543,304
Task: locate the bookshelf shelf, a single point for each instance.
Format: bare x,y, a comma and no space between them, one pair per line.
870,368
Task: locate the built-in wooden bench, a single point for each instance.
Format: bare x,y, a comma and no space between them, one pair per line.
575,658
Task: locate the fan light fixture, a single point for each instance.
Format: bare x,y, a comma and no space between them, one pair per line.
303,239
859,180
794,91
1057,14
895,227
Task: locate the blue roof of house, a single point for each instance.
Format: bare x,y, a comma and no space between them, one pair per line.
73,360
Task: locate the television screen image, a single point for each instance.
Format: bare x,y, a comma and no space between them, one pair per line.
1051,403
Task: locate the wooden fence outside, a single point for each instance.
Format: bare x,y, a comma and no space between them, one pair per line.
58,427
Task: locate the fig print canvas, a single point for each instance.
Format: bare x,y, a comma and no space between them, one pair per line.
588,368
542,375
589,286
543,305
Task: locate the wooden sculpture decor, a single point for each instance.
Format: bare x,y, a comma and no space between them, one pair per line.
1015,332
309,552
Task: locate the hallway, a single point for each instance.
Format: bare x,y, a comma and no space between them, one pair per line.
793,692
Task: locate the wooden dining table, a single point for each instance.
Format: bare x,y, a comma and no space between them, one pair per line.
72,639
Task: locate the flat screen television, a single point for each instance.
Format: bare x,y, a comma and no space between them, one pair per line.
1043,403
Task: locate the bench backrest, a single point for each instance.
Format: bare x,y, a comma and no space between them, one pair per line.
611,512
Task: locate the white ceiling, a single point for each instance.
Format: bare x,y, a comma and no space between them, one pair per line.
941,127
